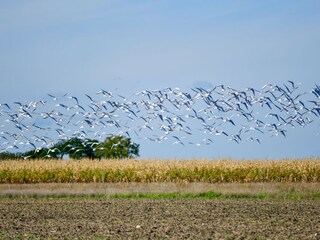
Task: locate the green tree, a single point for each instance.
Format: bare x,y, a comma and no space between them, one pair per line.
58,150
39,153
117,147
9,155
83,148
76,148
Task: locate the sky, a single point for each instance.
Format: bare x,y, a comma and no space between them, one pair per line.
80,47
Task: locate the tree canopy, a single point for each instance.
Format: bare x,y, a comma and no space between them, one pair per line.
76,148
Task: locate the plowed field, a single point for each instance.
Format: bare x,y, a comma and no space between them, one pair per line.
101,218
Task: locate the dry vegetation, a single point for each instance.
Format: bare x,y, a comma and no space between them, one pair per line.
153,170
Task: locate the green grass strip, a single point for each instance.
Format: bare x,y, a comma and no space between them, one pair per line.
204,195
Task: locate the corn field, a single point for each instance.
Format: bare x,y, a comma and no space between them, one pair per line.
154,170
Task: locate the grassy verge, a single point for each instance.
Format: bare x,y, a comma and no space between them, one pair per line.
216,195
205,195
163,190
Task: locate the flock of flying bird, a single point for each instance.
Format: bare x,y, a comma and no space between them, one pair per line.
196,117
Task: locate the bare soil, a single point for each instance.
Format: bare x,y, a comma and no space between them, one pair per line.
102,218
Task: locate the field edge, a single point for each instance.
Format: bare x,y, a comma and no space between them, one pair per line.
163,190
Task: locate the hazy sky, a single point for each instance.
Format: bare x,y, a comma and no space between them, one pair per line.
79,47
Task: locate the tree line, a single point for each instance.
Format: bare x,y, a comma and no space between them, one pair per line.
76,148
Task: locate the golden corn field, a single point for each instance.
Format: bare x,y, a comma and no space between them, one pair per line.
153,170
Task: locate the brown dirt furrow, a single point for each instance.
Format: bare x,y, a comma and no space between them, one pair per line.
77,218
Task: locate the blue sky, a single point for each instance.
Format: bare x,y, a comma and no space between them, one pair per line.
79,47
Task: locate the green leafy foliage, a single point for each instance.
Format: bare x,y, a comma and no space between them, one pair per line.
76,148
40,153
117,147
9,156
